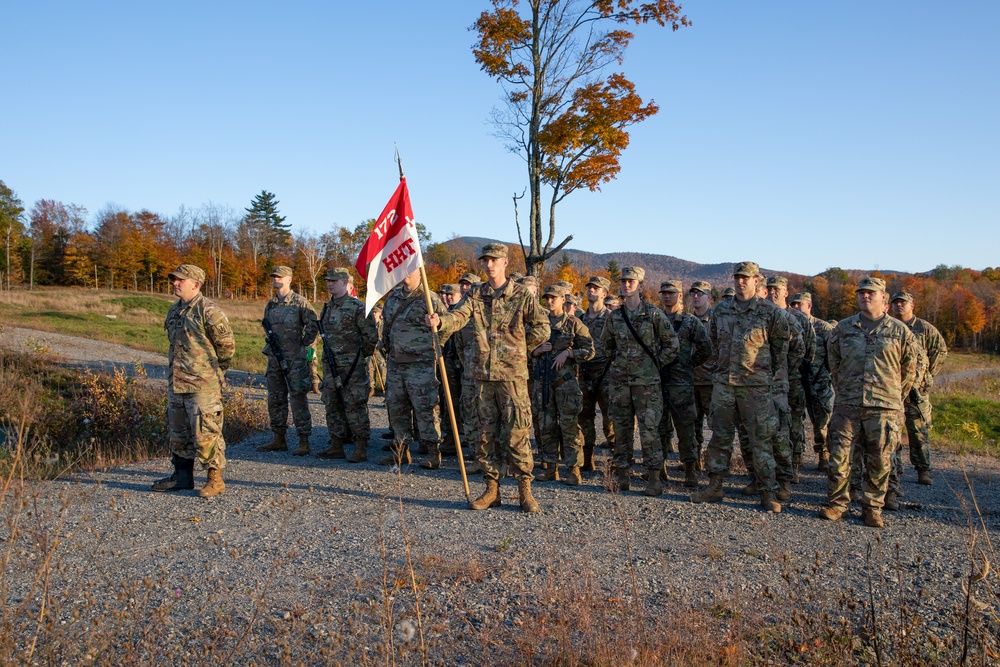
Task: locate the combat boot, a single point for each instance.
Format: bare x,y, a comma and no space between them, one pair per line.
214,486
302,449
796,464
924,477
550,474
433,460
334,451
824,461
691,474
573,477
588,459
711,493
490,497
181,480
873,518
448,446
769,502
653,485
360,453
620,480
277,443
400,455
750,489
528,503
891,501
831,513
784,492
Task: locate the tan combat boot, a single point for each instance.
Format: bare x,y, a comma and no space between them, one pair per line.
277,443
824,461
400,455
573,477
588,459
360,453
769,502
433,460
302,449
873,518
653,485
691,474
490,497
711,493
750,489
551,473
891,501
334,451
924,477
528,503
214,486
831,513
796,464
784,492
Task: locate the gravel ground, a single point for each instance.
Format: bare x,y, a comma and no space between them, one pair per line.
295,535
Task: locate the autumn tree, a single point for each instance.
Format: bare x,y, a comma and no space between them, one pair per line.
313,250
11,226
563,112
52,226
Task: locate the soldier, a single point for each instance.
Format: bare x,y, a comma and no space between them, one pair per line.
531,283
728,293
292,322
873,362
412,391
201,348
613,302
701,307
594,375
466,282
678,379
821,405
641,341
376,362
508,325
750,340
348,341
450,296
557,394
917,403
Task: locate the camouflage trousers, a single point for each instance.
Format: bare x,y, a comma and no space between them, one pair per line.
918,426
754,406
642,403
347,409
455,387
194,428
797,417
784,471
469,424
376,373
411,393
822,408
594,395
679,415
703,412
295,391
505,418
559,421
874,434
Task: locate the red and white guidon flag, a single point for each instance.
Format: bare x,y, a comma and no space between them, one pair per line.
392,252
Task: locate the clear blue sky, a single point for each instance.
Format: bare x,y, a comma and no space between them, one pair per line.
799,134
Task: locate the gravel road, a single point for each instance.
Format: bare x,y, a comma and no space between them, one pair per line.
301,533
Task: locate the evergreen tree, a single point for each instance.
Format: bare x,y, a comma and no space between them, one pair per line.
11,227
263,216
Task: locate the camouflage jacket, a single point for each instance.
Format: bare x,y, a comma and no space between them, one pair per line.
405,335
695,349
820,366
750,341
595,325
934,347
808,333
348,332
703,373
293,321
566,332
796,353
201,346
872,370
508,324
453,354
631,365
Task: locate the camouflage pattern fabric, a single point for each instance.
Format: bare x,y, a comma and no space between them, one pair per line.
405,335
755,407
822,403
412,392
505,417
293,321
703,390
629,404
194,428
917,409
350,340
796,390
469,425
594,377
680,414
874,433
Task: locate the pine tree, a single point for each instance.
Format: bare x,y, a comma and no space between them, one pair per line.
263,214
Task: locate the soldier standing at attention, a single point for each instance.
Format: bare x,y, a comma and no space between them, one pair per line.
559,411
750,340
678,379
348,342
201,347
917,403
594,375
508,324
873,361
821,406
450,296
641,341
293,323
466,282
701,307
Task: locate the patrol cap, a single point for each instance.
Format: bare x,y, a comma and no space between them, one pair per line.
338,273
802,297
554,290
495,250
748,269
612,300
528,280
566,285
633,273
599,281
189,271
282,272
701,286
671,287
730,291
902,296
470,278
449,288
869,284
777,281
515,275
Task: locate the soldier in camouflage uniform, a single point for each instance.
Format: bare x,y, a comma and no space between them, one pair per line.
635,379
701,307
412,390
594,374
613,302
508,324
917,403
466,282
450,296
750,340
201,347
821,406
348,342
557,394
293,321
678,379
873,361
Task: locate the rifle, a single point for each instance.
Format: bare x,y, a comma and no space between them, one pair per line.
272,343
328,359
545,373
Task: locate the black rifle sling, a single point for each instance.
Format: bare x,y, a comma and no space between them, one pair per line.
333,367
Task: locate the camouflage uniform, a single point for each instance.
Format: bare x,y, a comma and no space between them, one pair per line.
821,406
594,379
873,365
293,321
702,377
782,447
453,365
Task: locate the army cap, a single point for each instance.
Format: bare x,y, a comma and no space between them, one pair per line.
515,275
802,297
449,288
729,292
902,296
868,284
671,287
554,290
189,271
496,250
338,273
748,269
701,286
566,285
599,281
633,273
777,281
282,272
612,300
528,280
470,278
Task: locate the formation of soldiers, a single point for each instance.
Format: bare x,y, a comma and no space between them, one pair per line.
754,365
